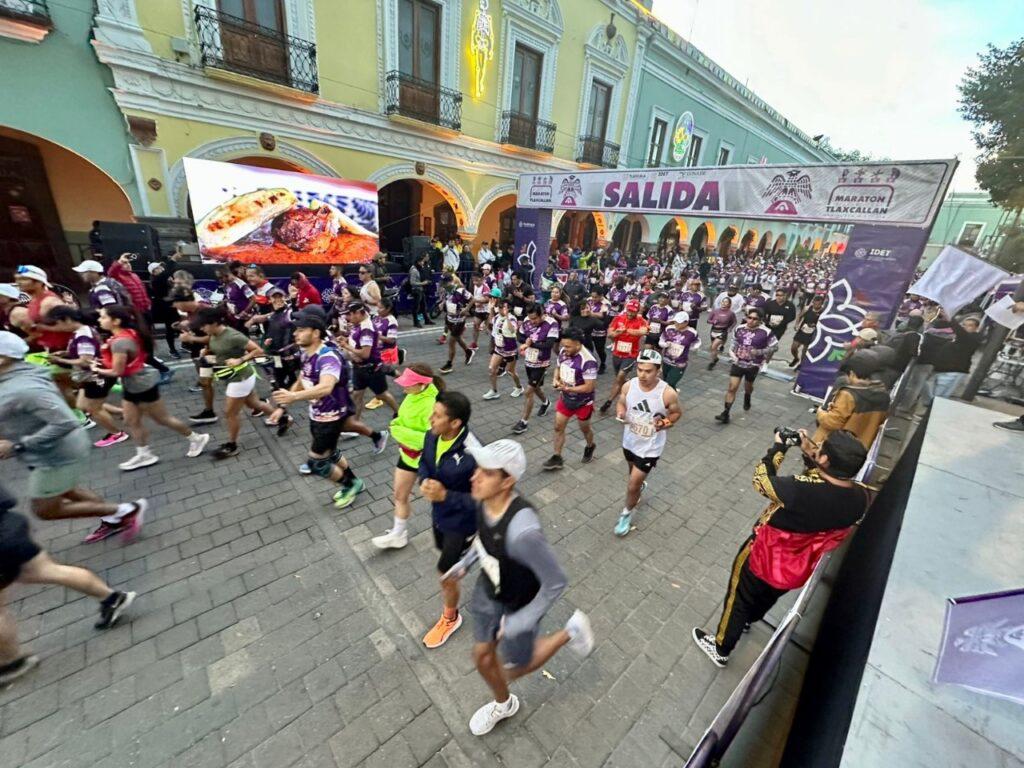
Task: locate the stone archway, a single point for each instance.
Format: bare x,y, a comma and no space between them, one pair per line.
780,242
703,236
444,185
748,240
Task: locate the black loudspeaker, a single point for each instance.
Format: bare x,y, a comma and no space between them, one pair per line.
414,247
117,238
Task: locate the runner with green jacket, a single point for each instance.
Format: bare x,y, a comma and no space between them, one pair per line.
408,429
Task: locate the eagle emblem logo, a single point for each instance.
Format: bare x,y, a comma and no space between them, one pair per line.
786,191
570,189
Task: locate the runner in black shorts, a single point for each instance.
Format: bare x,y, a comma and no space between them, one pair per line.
457,305
23,561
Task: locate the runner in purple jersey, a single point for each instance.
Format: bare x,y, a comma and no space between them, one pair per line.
363,349
755,298
458,303
677,340
752,347
575,379
617,295
556,307
657,319
505,338
539,334
693,301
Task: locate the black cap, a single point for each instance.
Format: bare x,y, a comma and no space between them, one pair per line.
846,454
310,317
355,306
862,363
573,333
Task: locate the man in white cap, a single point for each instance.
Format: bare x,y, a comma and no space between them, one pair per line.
37,427
521,580
33,282
102,290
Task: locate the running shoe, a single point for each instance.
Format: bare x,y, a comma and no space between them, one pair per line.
489,715
491,394
643,488
1017,425
197,444
374,404
112,438
21,666
712,364
555,462
625,521
794,362
349,435
442,339
605,406
474,346
346,496
111,611
204,417
304,469
380,443
225,450
543,407
441,631
141,459
447,367
88,423
132,522
723,417
707,644
746,401
195,389
390,540
588,453
502,372
520,427
600,371
166,376
517,392
470,354
104,531
580,633
283,425
176,354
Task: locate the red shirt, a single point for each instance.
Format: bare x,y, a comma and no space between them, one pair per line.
563,260
626,346
132,284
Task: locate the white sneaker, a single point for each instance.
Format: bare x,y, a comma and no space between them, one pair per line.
582,636
491,395
195,447
489,715
516,392
391,540
139,460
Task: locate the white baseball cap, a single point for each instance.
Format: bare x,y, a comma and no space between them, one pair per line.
153,266
12,346
10,291
501,454
651,356
680,317
89,265
32,272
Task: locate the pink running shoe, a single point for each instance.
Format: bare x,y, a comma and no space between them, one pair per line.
105,531
132,522
112,439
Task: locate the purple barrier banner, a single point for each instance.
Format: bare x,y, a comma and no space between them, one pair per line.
533,243
873,276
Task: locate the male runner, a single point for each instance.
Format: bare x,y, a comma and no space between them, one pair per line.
520,581
457,304
806,327
657,319
539,334
779,313
323,382
480,304
575,378
504,334
677,340
752,347
649,406
626,332
363,349
102,290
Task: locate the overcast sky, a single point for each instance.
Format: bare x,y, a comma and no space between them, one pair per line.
875,75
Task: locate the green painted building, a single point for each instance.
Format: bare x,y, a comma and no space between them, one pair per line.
970,220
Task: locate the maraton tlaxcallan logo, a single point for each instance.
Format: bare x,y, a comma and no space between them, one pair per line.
786,191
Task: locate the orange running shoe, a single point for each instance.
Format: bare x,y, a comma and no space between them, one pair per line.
440,632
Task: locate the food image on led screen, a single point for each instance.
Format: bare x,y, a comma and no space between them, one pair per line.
267,216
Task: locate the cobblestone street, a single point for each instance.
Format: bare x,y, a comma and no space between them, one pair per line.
269,633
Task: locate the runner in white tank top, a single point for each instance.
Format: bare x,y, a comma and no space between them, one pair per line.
648,407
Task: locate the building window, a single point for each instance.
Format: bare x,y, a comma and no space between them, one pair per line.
657,148
597,118
970,234
526,69
723,155
263,51
419,40
693,156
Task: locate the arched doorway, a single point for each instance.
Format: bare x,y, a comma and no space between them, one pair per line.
630,233
497,222
748,240
674,233
703,236
764,243
49,198
729,234
780,244
411,208
579,229
266,161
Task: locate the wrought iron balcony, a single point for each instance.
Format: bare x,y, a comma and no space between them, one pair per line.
596,151
237,45
422,100
526,131
26,11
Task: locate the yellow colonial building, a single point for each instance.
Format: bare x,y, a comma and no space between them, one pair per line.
441,103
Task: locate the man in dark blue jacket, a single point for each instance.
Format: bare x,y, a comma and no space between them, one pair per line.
445,472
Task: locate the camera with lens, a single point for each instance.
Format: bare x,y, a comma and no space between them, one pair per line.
788,436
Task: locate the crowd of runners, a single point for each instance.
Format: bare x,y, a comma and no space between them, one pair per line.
61,367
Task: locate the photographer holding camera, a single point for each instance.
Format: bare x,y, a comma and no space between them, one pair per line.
807,515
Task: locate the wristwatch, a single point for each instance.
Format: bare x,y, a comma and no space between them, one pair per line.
18,447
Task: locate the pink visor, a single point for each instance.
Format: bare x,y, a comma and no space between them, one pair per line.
409,378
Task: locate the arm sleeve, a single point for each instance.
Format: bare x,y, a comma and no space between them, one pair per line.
765,473
526,545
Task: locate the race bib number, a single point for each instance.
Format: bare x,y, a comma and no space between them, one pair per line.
518,311
451,307
624,347
532,355
687,307
643,429
674,350
277,361
655,327
674,303
806,328
488,564
775,319
567,374
216,297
